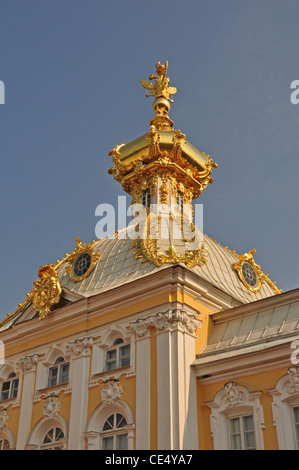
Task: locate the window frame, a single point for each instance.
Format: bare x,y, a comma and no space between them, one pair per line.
180,201
118,345
242,433
114,432
146,198
59,364
13,388
225,406
54,444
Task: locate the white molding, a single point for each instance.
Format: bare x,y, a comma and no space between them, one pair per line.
239,362
285,396
234,400
39,431
98,418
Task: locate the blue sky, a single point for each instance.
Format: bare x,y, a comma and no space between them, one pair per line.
71,71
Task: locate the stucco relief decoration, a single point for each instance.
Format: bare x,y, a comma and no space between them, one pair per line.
51,407
81,347
177,318
3,419
111,392
140,327
233,395
293,383
169,320
28,363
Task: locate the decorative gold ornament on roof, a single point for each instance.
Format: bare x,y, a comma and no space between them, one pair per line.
251,274
162,92
81,261
160,88
46,291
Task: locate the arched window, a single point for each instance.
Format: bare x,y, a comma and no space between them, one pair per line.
180,201
118,356
52,439
10,387
4,444
6,440
114,433
59,373
146,198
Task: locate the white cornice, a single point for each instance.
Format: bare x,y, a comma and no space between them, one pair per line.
171,279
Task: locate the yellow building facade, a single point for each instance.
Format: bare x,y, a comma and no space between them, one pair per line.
156,337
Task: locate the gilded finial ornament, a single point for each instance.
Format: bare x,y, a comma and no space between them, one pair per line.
160,88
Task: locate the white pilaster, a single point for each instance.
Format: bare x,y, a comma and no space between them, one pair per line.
28,365
176,386
143,410
80,377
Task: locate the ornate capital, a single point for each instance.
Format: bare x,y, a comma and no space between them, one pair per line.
51,407
111,392
28,363
172,319
81,347
177,319
141,327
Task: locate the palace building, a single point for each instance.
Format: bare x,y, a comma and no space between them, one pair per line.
156,337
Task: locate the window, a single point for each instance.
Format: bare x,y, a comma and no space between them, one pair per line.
237,418
82,264
118,356
4,444
242,433
10,387
180,201
286,409
52,439
59,373
114,435
146,198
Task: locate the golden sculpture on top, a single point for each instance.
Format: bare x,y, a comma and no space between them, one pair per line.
160,87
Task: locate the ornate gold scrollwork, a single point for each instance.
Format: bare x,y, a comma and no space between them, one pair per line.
251,274
146,247
46,291
78,251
